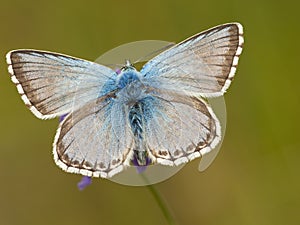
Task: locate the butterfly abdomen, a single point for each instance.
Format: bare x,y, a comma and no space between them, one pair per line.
140,115
136,123
135,118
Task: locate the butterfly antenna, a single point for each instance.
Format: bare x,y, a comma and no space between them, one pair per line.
114,65
154,53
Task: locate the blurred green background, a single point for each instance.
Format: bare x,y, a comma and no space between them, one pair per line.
254,179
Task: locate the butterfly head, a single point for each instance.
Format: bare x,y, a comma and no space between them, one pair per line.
128,66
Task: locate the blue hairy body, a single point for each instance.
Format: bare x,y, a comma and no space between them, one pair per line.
130,94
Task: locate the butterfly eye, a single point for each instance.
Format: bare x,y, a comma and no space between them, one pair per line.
128,63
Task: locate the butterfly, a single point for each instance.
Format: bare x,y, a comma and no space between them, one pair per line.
158,115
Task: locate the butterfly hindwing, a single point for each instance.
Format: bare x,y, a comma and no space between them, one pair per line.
179,128
94,140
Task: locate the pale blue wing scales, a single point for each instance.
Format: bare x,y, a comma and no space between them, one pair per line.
94,140
179,128
52,84
203,64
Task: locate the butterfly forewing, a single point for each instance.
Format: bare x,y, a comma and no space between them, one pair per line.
202,65
52,84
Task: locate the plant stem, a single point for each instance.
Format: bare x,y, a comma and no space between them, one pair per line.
160,202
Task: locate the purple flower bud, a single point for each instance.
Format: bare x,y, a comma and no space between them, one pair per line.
118,71
61,118
85,181
139,168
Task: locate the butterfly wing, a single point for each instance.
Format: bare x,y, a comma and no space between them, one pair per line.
94,140
179,128
52,84
203,64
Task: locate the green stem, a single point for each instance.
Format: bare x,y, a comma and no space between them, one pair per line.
160,202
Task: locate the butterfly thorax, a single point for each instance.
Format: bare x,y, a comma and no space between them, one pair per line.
130,85
128,75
